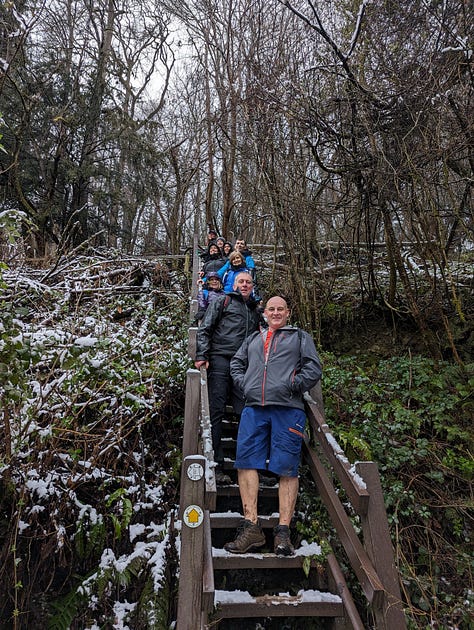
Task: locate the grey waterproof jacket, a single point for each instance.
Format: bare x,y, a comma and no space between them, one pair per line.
291,368
226,323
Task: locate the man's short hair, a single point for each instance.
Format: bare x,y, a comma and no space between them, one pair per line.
240,273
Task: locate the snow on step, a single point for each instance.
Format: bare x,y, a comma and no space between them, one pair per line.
306,549
303,597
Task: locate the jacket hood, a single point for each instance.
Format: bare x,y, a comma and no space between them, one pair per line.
213,244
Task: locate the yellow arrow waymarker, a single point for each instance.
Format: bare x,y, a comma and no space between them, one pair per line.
193,516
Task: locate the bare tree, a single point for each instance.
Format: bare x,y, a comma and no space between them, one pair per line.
382,134
78,104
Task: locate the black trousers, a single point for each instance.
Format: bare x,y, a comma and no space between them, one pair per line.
221,393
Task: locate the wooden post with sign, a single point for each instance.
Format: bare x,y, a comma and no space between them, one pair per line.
191,424
192,543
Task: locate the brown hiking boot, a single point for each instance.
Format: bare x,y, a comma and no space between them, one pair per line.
282,544
267,481
249,536
222,479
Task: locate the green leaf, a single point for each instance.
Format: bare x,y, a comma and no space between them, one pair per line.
307,565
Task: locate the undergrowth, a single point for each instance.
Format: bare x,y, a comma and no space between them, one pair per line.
92,399
414,418
92,402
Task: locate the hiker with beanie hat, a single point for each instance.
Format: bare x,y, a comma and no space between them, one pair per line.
208,291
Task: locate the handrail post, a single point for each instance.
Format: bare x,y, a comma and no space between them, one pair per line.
192,543
191,430
192,339
378,544
191,413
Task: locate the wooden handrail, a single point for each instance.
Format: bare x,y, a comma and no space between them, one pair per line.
352,483
208,587
360,561
192,342
371,561
342,590
207,449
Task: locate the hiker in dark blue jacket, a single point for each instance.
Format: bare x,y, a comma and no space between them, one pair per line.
226,323
241,246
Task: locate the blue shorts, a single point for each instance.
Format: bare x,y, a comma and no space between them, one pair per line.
270,438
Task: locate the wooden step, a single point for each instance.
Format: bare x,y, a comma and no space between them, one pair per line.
230,427
228,441
229,464
240,604
223,560
232,520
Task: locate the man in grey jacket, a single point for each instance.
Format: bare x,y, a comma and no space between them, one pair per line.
273,368
226,323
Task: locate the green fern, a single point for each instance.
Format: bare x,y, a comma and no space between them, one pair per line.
65,610
90,541
120,524
132,571
153,606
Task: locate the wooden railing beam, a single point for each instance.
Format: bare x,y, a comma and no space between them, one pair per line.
208,587
192,335
342,590
207,449
351,482
360,561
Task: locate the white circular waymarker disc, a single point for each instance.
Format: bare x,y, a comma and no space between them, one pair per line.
195,472
193,516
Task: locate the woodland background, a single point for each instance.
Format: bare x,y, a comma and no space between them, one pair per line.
337,138
323,127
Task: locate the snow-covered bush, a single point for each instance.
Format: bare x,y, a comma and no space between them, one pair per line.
92,391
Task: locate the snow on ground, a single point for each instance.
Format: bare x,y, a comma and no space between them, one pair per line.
86,458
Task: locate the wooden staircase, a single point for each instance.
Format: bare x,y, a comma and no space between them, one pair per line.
240,591
221,590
